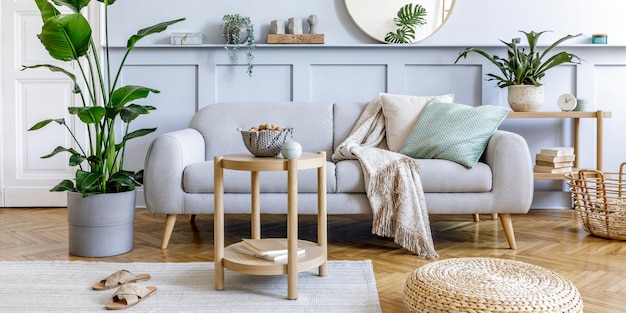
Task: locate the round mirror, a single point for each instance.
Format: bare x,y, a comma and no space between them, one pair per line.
399,21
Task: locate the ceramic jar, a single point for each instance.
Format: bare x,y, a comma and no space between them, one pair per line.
291,150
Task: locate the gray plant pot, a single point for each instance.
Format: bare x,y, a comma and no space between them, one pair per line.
100,225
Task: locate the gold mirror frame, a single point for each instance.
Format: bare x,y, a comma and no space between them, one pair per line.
375,17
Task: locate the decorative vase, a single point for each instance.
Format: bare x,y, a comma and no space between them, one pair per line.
525,98
102,224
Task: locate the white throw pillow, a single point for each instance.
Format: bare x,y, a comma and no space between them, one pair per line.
401,113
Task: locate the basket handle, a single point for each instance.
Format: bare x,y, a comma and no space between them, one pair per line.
587,187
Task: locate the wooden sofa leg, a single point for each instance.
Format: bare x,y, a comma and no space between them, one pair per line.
476,217
170,220
507,224
494,216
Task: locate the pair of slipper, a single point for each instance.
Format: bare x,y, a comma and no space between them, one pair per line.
128,292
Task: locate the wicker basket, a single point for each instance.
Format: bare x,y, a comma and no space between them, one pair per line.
266,143
600,200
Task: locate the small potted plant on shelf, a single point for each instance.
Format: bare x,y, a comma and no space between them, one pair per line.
238,29
522,70
100,182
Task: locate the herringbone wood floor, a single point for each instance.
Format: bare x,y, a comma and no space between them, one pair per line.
549,238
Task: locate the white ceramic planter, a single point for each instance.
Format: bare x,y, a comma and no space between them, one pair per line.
100,225
525,98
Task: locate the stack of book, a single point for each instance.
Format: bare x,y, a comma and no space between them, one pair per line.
555,160
273,249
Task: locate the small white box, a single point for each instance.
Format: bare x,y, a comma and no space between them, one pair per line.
187,38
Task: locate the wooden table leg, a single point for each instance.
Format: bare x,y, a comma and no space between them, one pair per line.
256,204
322,220
218,226
292,229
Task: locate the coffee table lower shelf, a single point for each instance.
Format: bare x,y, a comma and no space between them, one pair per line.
239,262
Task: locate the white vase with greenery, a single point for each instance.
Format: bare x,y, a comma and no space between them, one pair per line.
521,67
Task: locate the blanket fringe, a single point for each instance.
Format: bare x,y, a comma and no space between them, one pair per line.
385,221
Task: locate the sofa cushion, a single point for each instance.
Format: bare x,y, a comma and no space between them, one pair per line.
401,113
436,175
454,132
345,116
198,178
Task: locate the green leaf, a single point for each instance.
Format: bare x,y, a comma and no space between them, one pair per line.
132,111
54,68
411,16
65,185
157,28
126,94
88,115
135,134
60,121
58,150
66,37
110,2
47,9
138,176
76,159
74,5
86,180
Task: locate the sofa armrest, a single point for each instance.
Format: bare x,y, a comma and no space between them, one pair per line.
166,160
508,156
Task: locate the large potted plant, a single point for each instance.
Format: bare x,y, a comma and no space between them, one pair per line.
522,70
101,199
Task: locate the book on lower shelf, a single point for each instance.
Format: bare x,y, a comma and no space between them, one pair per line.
273,249
555,159
557,151
550,169
555,164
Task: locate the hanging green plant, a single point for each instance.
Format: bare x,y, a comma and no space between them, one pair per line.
409,17
238,29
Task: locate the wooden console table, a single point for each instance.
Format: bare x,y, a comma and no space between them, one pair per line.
315,253
576,116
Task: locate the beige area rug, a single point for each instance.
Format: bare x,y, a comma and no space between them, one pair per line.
65,286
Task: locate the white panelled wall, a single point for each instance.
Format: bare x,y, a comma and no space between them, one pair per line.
349,67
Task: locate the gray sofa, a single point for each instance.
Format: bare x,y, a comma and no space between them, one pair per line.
179,168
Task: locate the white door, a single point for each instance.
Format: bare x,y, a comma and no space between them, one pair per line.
28,97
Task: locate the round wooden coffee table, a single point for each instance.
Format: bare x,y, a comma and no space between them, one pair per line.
315,253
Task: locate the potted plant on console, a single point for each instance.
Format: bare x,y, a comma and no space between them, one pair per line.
522,71
101,202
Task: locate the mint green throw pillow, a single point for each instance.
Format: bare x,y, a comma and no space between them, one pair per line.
451,131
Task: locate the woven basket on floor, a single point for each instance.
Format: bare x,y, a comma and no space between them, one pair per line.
266,143
600,200
489,285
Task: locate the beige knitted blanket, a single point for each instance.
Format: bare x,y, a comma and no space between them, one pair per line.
393,184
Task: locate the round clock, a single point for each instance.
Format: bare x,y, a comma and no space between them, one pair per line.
567,102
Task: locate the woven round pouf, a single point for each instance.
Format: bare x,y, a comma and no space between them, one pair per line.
489,285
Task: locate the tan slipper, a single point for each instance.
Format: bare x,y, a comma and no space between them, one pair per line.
128,295
118,278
